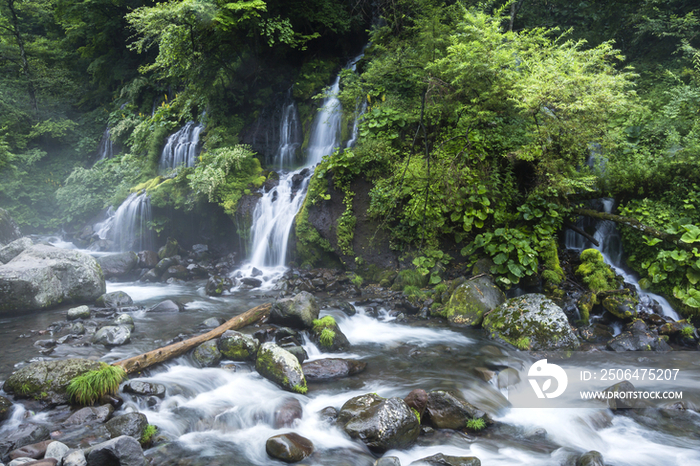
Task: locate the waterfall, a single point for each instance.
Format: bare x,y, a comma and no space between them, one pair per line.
290,136
182,147
106,149
129,229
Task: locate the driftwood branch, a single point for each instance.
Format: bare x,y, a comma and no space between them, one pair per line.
576,229
145,360
637,225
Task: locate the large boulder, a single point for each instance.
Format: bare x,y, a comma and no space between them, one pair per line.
8,228
121,451
43,276
280,366
299,311
321,370
472,299
531,322
381,424
118,265
14,249
237,346
47,380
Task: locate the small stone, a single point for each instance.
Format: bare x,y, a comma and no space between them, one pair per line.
114,300
124,319
144,388
165,306
213,322
56,450
80,312
289,448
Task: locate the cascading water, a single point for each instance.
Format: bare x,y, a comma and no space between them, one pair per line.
106,149
608,236
129,229
290,136
182,147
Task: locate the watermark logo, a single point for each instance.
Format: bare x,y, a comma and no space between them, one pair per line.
542,369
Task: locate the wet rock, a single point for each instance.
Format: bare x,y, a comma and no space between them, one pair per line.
531,322
328,415
672,328
213,322
444,460
166,306
114,300
8,228
118,265
170,249
131,424
150,276
147,259
256,272
90,415
75,458
45,344
26,434
125,320
144,388
595,333
287,412
328,337
5,408
638,337
471,300
176,271
237,346
347,308
446,410
43,276
164,264
484,374
207,354
299,311
321,370
34,451
112,335
217,285
56,450
290,448
47,380
621,306
381,424
418,400
80,312
14,249
299,352
281,367
122,451
251,282
77,329
388,461
592,458
621,400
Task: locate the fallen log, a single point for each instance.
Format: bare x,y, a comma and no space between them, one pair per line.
637,225
145,360
576,229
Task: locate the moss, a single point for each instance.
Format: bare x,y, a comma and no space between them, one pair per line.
326,337
147,185
595,273
409,277
345,227
147,435
415,411
357,280
301,389
323,323
476,424
688,331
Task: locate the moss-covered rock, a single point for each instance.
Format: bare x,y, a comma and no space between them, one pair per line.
170,249
281,367
207,354
47,380
623,306
299,311
237,346
328,336
531,322
448,410
409,277
595,273
5,408
471,300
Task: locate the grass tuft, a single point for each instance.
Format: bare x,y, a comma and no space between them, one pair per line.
89,387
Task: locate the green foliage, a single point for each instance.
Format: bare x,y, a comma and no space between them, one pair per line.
411,291
595,273
148,433
688,331
476,424
426,263
357,280
511,251
345,230
88,388
326,337
325,322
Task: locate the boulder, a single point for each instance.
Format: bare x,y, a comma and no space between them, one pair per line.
328,337
144,388
328,415
447,410
8,228
299,352
131,424
163,265
531,322
622,306
43,276
147,259
388,461
217,285
321,370
472,299
14,249
591,458
381,424
90,415
621,401
281,367
299,311
175,271
118,265
290,448
5,408
80,312
112,335
170,249
237,346
56,450
207,354
25,434
165,306
444,460
125,320
47,380
121,451
287,412
418,400
35,450
251,282
638,337
114,300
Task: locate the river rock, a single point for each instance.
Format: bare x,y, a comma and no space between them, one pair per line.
26,434
34,451
280,366
138,387
56,450
472,299
447,410
80,312
418,400
8,228
43,276
299,352
290,448
114,300
122,451
131,424
531,322
321,370
381,424
237,346
347,308
47,380
112,335
207,354
125,320
14,249
337,343
5,408
75,458
31,462
251,282
638,337
621,306
213,322
444,460
592,458
176,271
287,412
328,415
170,249
163,265
299,311
90,415
217,285
118,265
165,306
619,402
147,259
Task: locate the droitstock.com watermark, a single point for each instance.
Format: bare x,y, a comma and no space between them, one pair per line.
614,380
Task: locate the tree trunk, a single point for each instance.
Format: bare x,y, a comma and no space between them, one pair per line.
145,360
637,225
514,8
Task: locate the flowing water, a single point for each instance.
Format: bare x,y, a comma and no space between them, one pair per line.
106,149
128,229
182,147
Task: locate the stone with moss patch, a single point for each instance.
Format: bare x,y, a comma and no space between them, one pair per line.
595,273
471,300
237,346
47,380
299,311
531,322
623,306
281,367
328,336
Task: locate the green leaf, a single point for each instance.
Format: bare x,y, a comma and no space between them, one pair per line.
692,234
500,259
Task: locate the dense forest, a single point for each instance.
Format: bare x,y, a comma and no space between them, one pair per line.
484,129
